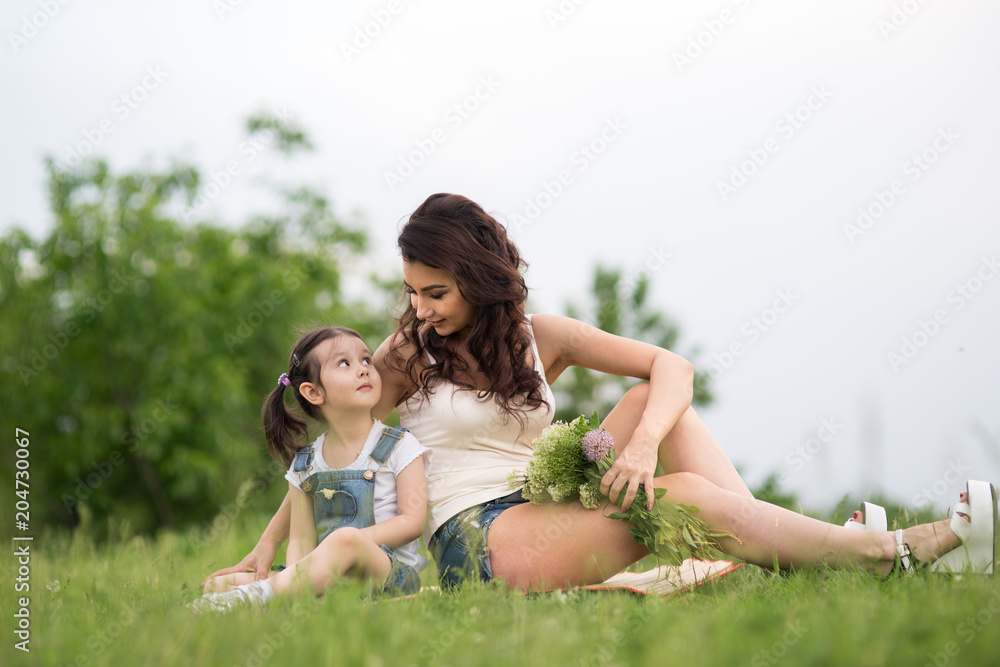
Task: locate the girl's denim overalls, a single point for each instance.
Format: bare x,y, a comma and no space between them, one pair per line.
347,498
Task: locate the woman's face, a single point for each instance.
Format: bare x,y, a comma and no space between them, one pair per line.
435,297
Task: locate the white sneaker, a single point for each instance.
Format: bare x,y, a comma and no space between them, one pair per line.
247,595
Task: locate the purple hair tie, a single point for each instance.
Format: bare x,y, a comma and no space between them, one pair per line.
283,380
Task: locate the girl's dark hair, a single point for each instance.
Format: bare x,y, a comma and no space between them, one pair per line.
453,233
284,431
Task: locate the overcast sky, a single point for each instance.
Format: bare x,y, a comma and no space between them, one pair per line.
811,186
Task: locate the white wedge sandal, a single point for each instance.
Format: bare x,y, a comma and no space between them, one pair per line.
873,519
978,551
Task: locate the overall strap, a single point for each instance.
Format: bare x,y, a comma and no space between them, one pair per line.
386,443
303,459
302,466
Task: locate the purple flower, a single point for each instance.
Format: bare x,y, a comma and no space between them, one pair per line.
596,444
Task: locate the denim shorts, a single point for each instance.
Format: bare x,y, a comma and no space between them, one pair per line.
403,579
459,544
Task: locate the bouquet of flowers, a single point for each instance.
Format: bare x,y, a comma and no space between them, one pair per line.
568,464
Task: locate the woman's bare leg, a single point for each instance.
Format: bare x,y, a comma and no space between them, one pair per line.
689,447
544,546
346,551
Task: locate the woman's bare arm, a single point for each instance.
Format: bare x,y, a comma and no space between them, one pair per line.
564,342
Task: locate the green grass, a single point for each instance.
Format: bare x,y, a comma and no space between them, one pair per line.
121,603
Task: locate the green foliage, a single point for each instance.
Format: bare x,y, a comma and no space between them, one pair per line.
288,136
622,309
137,349
568,464
670,531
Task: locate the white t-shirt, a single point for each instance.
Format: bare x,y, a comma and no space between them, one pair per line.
475,445
404,453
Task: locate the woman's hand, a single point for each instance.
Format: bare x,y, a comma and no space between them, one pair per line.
634,466
257,561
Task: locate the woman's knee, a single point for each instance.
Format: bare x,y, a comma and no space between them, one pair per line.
638,394
686,483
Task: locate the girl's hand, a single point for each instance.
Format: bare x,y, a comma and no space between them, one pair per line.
634,466
257,561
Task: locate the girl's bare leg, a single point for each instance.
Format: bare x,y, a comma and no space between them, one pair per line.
689,447
344,552
545,546
228,582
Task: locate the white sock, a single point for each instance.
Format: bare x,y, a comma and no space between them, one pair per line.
258,592
265,588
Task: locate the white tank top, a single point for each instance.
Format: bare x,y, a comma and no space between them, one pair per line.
475,445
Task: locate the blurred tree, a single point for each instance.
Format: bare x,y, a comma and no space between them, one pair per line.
137,349
621,309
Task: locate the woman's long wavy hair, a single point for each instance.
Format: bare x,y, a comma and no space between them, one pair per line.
284,431
453,233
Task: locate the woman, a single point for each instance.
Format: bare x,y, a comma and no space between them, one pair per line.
469,374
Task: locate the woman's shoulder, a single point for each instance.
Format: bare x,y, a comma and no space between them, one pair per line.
391,359
555,336
397,344
548,328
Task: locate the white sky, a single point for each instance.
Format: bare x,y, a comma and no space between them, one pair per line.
673,132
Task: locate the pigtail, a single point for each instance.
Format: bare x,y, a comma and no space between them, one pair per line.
283,431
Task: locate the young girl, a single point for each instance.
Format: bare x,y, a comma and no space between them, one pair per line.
358,490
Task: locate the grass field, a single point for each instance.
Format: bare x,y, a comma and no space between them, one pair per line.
121,603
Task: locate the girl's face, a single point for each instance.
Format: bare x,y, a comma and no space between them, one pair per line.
435,297
347,377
